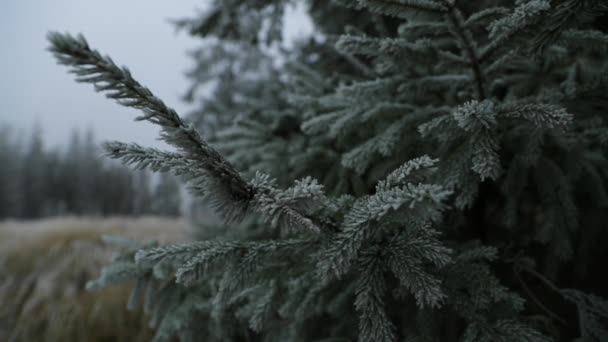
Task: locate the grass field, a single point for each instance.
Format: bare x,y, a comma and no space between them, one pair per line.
44,266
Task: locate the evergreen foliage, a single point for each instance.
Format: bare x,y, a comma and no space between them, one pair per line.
37,182
9,174
421,170
166,199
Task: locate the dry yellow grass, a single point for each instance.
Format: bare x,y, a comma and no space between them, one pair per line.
44,267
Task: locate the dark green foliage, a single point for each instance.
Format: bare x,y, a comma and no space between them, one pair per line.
9,175
166,198
33,184
426,170
36,181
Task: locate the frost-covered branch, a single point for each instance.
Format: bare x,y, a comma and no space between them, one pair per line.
118,83
197,160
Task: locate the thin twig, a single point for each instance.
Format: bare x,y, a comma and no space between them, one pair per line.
537,301
541,278
468,44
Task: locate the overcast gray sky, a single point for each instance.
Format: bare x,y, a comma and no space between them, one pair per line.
135,33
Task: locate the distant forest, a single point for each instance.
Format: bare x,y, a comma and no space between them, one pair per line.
36,181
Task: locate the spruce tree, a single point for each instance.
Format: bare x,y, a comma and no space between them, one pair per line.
32,178
9,174
142,198
430,170
167,200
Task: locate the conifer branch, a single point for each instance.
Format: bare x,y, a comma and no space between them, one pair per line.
154,159
564,16
281,207
91,67
374,323
537,301
399,8
370,46
231,193
540,277
397,195
468,45
505,29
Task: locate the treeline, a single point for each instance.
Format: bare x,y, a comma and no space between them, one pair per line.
36,181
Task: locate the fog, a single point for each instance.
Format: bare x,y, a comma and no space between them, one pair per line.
136,33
